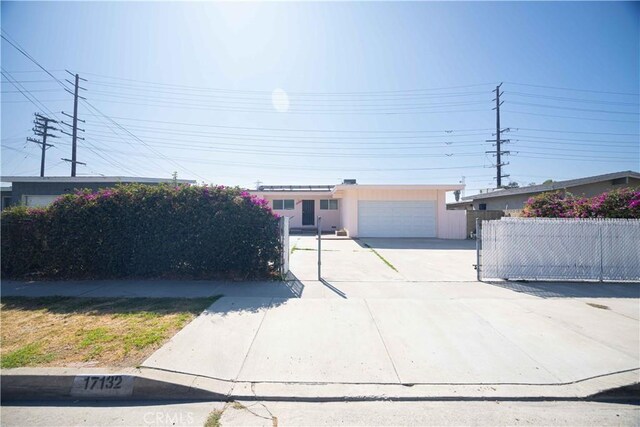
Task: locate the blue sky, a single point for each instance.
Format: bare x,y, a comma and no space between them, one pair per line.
380,92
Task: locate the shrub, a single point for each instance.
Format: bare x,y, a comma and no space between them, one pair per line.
618,203
139,230
549,205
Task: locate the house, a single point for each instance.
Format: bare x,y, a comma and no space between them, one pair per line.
5,197
36,191
508,199
369,210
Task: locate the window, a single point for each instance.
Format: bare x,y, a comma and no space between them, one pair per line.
619,181
329,205
482,206
287,205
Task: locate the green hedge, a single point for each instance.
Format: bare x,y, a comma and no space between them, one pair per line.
143,231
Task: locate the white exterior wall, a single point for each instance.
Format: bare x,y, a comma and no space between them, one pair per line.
453,224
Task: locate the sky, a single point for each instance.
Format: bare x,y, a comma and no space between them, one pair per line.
313,93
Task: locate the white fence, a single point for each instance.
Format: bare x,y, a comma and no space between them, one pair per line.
284,242
453,225
560,249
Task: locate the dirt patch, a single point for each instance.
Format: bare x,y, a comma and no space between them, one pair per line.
70,331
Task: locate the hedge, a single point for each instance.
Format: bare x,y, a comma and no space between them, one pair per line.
137,230
618,203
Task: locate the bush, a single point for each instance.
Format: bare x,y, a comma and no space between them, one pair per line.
139,230
619,203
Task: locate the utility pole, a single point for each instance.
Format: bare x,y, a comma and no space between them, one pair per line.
41,129
498,152
257,183
74,127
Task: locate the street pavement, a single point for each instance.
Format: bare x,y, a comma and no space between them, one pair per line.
270,414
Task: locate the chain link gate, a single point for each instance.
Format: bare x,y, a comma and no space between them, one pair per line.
559,249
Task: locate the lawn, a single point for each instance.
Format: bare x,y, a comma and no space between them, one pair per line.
70,331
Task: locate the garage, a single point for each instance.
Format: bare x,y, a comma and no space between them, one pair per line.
397,218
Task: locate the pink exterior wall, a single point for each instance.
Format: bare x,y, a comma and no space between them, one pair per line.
448,226
330,218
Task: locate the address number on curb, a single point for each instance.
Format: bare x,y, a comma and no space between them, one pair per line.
102,385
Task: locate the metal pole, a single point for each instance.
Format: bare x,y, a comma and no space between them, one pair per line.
499,165
319,249
478,249
75,128
600,225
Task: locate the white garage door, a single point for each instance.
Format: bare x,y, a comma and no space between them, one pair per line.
386,218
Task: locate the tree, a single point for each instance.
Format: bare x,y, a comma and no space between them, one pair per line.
512,184
548,181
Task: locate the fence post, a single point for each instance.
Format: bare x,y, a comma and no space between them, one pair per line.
478,237
284,244
600,225
319,249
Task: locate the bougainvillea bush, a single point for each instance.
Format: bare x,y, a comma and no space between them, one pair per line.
139,230
619,203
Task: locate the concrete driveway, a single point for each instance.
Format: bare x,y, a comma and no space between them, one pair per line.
460,334
384,260
409,311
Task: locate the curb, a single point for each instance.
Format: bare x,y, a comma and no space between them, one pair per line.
149,384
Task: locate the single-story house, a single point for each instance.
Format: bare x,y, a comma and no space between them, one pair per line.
514,198
369,210
36,191
5,197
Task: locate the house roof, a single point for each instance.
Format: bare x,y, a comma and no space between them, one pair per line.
87,179
447,187
557,185
294,188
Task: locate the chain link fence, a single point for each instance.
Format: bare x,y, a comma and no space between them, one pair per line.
559,249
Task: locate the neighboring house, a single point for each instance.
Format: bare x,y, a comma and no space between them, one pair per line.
514,198
35,191
5,197
369,210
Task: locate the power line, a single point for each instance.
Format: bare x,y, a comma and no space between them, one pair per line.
576,132
567,99
370,93
266,95
42,129
575,90
573,108
271,110
571,117
393,131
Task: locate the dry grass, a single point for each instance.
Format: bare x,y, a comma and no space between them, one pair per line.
68,331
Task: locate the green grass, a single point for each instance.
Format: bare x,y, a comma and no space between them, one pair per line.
214,418
29,354
57,331
96,336
391,266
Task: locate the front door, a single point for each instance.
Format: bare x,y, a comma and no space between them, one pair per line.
308,212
